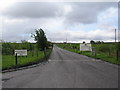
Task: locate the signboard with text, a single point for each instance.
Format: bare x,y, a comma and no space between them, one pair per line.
85,47
21,52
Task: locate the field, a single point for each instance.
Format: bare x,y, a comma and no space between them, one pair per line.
33,56
109,52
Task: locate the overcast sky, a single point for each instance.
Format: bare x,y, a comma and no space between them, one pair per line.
76,22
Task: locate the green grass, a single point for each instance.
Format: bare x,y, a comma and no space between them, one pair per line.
8,61
99,55
102,56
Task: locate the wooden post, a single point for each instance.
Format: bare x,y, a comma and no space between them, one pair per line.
115,35
117,55
45,53
109,52
16,59
16,62
52,45
32,53
37,52
95,52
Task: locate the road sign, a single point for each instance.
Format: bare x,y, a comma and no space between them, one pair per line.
85,47
21,52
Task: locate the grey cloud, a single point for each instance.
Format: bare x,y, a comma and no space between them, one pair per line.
31,10
87,13
82,12
38,14
15,32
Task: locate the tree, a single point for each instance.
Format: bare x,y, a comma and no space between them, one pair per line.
41,39
92,42
83,42
98,42
24,41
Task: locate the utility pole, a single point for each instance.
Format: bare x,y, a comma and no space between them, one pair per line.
66,39
115,35
115,46
66,36
118,37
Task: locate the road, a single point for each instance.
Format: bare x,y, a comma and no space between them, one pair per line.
65,70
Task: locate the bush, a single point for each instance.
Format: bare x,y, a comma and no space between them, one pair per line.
117,46
104,48
8,48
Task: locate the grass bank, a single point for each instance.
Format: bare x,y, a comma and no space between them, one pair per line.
105,56
8,61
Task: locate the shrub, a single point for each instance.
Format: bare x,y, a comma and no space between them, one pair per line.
104,48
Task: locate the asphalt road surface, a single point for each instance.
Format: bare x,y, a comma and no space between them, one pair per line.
65,70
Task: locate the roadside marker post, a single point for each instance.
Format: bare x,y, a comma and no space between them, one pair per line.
16,62
37,52
32,53
117,55
45,53
52,45
16,59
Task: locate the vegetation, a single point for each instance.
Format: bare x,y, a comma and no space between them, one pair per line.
8,48
35,51
41,39
8,61
34,55
105,51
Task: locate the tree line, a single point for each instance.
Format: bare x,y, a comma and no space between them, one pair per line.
41,43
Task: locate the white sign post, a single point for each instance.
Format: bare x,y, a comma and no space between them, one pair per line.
85,47
21,52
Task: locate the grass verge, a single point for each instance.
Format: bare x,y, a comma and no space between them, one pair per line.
8,61
99,55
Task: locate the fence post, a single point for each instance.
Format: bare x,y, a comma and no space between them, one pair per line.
52,45
16,59
45,53
32,53
37,52
117,54
95,53
16,62
109,52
